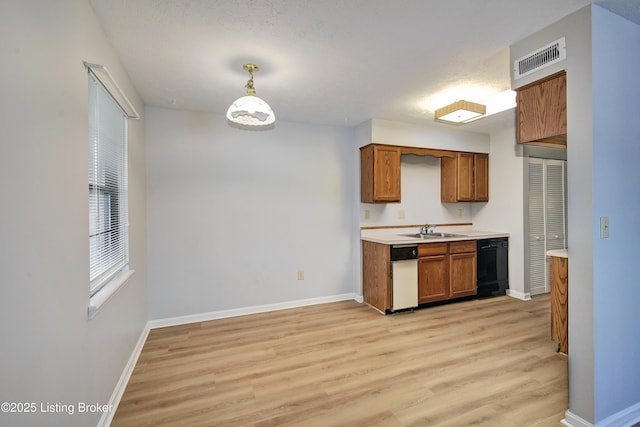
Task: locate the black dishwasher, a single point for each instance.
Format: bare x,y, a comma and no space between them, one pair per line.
493,266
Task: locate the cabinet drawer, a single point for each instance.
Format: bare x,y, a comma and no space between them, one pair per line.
463,246
432,249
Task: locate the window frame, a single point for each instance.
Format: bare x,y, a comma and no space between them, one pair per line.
107,178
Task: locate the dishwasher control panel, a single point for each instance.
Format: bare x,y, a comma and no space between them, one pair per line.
404,252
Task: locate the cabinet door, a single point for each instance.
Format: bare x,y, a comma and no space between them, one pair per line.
386,174
448,179
463,274
379,174
542,111
481,177
465,177
433,278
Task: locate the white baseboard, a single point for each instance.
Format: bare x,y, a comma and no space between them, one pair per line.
114,400
519,295
203,317
572,420
625,418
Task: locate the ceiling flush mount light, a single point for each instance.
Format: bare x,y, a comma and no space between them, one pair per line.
251,111
460,112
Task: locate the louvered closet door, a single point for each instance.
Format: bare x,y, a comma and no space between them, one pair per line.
536,256
546,220
555,209
555,205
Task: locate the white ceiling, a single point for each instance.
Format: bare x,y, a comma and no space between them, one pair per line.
335,62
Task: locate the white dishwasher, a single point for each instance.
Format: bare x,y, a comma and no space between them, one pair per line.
404,277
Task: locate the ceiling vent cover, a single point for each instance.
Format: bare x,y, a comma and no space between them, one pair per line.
541,58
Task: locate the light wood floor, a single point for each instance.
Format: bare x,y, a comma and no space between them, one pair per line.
485,362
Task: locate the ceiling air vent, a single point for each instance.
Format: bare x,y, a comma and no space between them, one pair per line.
541,58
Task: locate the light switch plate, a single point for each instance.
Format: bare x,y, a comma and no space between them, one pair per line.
604,227
402,214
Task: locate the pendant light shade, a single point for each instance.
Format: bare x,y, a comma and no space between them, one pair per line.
250,110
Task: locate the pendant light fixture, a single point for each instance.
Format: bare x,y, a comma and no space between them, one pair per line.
251,111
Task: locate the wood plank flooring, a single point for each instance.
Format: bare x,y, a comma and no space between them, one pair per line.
485,362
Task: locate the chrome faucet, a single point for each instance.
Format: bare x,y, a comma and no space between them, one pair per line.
428,229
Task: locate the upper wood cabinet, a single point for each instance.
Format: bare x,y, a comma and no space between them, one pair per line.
379,174
465,178
481,177
542,112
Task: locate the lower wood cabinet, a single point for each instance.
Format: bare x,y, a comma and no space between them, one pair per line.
433,272
376,275
446,271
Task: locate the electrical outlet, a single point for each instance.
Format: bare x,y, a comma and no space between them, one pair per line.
300,274
604,227
367,214
402,214
460,213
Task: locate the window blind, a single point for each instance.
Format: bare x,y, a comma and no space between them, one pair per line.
107,179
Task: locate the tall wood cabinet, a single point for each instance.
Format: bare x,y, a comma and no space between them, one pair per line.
465,178
541,112
379,174
559,271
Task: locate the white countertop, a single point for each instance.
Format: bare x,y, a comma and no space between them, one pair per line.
395,235
560,253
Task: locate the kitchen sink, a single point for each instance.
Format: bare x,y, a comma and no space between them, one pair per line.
431,235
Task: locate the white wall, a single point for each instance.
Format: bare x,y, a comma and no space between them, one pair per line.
602,153
234,214
419,175
616,150
577,29
434,135
51,353
420,204
504,212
